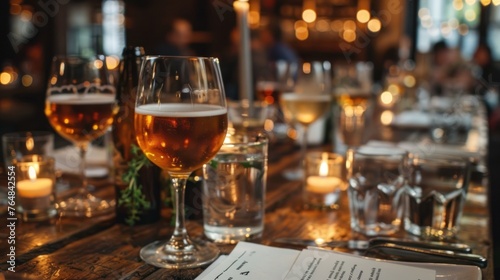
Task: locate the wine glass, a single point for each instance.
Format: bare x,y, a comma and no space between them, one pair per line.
271,81
180,123
80,105
309,101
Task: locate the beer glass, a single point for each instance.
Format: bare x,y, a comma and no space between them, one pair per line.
180,123
80,105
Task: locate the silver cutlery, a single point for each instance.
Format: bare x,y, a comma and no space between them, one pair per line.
411,254
365,244
401,249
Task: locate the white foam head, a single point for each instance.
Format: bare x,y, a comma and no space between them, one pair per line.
95,98
180,110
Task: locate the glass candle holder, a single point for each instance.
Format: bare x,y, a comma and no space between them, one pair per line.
35,181
324,180
19,144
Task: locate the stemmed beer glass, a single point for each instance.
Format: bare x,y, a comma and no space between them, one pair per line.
180,123
309,101
80,105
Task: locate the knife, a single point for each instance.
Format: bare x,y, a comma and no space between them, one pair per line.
404,253
365,244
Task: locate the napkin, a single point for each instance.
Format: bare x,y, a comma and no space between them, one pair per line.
413,119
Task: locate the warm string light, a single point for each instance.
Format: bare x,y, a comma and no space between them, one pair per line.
346,29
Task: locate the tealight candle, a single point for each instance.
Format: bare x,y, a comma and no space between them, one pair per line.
323,180
35,187
320,184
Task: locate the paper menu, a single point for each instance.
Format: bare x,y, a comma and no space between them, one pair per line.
318,264
249,261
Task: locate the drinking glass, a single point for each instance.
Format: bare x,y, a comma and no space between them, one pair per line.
80,105
436,195
353,110
309,101
272,80
377,179
180,123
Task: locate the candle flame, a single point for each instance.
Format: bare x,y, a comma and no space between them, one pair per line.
323,167
30,143
32,172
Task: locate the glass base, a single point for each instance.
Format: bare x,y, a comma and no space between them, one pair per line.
162,254
37,215
85,206
232,235
429,233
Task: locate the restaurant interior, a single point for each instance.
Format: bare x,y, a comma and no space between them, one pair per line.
397,38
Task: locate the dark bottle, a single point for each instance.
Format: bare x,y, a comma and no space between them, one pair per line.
137,180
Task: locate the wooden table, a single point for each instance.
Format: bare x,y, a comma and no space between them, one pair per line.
98,248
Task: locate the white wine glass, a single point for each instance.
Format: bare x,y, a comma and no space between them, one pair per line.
309,101
180,123
80,105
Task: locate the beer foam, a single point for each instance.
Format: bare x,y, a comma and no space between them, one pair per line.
180,110
95,98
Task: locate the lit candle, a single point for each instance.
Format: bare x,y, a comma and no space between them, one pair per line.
323,183
34,187
245,63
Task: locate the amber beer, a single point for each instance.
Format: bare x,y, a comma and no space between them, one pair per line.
268,92
180,137
80,118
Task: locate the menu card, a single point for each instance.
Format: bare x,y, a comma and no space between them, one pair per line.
254,261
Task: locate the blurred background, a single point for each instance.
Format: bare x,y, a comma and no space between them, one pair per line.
342,31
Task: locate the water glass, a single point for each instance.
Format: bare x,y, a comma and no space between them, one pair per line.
436,195
235,187
242,116
325,180
18,144
376,178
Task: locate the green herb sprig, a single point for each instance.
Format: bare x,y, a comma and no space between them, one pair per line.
132,197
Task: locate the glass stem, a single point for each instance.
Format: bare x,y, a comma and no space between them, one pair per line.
303,146
179,237
83,152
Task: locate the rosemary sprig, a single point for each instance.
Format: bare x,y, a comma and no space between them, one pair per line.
132,197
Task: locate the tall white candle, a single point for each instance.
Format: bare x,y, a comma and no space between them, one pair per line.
245,62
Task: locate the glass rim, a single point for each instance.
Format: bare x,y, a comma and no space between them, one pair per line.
186,57
254,139
380,151
30,159
36,134
440,159
77,56
252,143
318,156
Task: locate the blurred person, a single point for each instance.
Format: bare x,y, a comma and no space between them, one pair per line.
450,73
177,39
487,76
482,58
277,50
